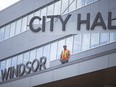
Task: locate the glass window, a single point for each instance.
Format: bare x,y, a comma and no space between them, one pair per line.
18,27
112,37
50,11
86,42
29,18
26,57
64,9
37,13
0,72
46,53
20,59
39,52
12,30
24,24
43,13
79,3
57,8
104,38
2,34
3,65
53,51
69,43
7,32
77,43
94,39
32,55
14,61
88,1
36,21
8,63
72,4
60,47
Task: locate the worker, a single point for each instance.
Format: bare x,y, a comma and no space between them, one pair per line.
65,55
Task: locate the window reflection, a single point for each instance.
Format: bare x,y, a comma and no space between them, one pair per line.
3,65
60,47
77,43
57,8
88,1
94,39
72,4
53,51
8,63
14,61
64,6
112,37
104,38
85,42
79,3
46,53
0,72
7,32
18,27
43,13
32,55
39,52
12,30
1,34
28,20
69,43
24,24
26,57
20,59
36,21
50,11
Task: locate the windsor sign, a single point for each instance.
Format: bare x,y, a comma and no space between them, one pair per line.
23,69
98,21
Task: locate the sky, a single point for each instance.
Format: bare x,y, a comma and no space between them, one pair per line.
6,3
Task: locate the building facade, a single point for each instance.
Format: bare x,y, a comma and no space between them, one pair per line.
32,35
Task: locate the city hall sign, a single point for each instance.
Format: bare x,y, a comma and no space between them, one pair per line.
98,21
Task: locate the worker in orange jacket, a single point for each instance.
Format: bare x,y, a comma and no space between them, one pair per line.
65,55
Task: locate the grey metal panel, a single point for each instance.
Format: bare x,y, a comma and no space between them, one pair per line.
112,4
101,49
65,72
112,60
3,85
82,54
91,52
41,78
93,64
25,82
111,46
55,63
104,6
96,9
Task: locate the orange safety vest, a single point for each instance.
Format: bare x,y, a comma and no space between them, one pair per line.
65,54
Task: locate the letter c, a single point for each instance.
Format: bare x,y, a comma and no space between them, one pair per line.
31,24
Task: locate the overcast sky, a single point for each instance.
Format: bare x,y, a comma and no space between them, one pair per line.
5,3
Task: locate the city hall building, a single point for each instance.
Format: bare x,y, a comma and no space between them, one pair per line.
32,36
